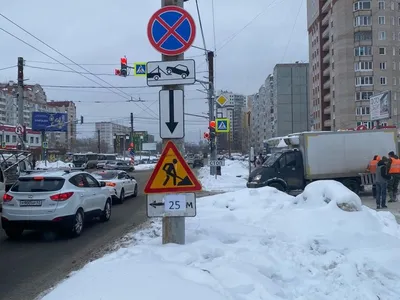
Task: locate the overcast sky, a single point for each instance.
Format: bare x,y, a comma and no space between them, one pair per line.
101,31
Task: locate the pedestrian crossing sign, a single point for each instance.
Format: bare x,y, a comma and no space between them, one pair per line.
222,125
139,69
172,174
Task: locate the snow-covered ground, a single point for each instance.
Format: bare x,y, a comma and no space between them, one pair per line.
144,167
234,177
256,244
41,164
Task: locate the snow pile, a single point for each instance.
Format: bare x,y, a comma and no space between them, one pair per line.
44,165
234,177
142,167
255,244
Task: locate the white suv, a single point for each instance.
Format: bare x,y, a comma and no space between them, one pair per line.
59,200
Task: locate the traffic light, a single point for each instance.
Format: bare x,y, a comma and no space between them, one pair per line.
206,135
81,119
211,127
124,66
117,72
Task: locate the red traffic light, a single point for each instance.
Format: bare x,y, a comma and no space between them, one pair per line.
117,72
124,61
206,135
212,124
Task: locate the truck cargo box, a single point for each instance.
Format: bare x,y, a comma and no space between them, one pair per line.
343,153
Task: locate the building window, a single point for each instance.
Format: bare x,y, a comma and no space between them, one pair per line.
394,81
362,21
37,140
363,66
381,20
31,139
14,138
382,65
363,51
360,5
7,138
363,110
381,5
394,65
363,36
382,50
382,35
383,80
364,80
363,95
366,124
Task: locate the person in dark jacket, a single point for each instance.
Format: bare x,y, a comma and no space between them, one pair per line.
382,178
393,184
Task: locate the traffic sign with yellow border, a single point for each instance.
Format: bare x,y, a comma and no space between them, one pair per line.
172,174
221,100
222,125
139,69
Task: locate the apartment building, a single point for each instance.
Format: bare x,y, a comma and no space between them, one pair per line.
281,105
107,131
35,99
354,53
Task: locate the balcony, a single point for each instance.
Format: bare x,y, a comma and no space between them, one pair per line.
325,20
326,45
328,123
328,110
327,71
327,97
327,58
326,6
327,84
325,33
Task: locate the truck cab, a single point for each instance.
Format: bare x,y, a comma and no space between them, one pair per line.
282,170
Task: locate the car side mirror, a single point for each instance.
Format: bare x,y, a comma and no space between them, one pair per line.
102,184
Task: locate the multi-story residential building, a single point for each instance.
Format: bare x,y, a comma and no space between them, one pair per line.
107,131
35,99
289,106
354,53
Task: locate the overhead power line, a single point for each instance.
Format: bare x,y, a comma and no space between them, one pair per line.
55,50
6,68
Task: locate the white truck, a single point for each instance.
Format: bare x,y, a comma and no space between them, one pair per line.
340,156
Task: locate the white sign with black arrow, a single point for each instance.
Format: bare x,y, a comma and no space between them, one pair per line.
172,121
171,205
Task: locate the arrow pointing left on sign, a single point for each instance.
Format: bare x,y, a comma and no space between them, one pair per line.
154,204
171,124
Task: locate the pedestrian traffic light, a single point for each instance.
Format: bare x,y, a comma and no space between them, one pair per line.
124,66
206,135
117,72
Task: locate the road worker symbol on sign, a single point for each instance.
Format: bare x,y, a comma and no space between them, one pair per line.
172,174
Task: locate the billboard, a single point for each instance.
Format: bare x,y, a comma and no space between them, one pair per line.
46,121
149,146
380,106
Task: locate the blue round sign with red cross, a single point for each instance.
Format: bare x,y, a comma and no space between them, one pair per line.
171,30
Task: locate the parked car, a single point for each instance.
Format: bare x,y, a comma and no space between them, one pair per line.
59,200
121,184
101,164
119,165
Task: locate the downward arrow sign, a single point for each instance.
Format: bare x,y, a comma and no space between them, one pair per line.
171,124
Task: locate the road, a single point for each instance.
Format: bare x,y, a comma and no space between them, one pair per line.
37,261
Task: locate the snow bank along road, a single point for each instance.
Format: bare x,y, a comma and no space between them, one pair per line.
36,262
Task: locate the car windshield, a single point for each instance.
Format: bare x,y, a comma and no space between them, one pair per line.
79,157
37,184
105,175
272,159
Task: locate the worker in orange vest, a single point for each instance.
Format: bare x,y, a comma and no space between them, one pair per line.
372,169
394,171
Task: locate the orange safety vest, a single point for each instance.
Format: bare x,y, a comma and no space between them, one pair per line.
372,166
395,166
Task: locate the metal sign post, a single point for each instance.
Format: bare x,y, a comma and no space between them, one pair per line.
171,31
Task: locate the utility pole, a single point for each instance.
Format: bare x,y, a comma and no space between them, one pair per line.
173,228
211,104
98,141
20,81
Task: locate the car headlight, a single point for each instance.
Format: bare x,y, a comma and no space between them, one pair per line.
257,177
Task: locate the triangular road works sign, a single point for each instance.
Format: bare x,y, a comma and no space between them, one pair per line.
172,174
